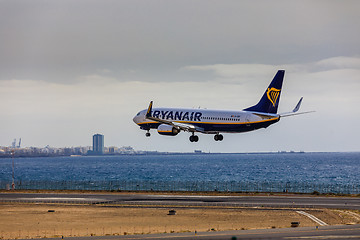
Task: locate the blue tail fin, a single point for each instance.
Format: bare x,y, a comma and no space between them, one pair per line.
270,100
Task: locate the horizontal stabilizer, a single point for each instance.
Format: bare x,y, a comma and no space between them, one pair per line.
294,114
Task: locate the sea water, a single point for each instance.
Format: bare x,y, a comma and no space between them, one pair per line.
335,172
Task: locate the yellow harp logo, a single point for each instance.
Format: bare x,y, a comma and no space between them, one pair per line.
273,94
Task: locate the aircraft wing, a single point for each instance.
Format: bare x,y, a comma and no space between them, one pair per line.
181,126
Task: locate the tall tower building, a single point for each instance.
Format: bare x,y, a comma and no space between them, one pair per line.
98,144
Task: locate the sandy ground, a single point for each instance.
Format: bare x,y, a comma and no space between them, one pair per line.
34,220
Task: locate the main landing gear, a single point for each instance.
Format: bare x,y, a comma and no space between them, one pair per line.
147,134
193,138
218,137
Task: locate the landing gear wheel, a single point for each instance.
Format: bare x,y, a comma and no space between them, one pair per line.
218,137
147,134
193,138
221,137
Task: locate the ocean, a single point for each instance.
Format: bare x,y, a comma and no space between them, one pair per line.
263,172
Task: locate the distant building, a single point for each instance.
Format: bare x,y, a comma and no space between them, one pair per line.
98,144
67,151
112,150
126,150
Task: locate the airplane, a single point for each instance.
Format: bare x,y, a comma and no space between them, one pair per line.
171,121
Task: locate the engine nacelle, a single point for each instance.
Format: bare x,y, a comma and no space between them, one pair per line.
165,129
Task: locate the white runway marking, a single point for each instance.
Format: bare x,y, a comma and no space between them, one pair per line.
326,237
63,199
312,217
357,216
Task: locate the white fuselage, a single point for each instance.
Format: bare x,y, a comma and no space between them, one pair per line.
209,121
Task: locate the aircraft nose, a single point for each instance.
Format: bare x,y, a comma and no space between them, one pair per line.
136,120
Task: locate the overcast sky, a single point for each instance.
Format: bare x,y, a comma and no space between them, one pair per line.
70,69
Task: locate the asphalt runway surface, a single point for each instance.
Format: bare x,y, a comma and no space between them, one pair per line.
326,232
283,201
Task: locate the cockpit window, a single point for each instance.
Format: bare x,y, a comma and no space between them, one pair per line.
138,114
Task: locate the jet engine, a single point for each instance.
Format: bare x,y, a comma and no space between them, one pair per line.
165,129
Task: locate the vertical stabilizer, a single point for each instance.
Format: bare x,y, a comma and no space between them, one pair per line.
270,100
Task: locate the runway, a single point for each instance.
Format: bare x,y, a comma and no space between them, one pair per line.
329,232
283,201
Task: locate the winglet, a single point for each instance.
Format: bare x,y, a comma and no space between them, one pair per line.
297,107
148,113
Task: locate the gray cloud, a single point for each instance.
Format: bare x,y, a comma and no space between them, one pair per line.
61,40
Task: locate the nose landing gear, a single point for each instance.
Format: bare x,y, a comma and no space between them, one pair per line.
147,134
218,137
